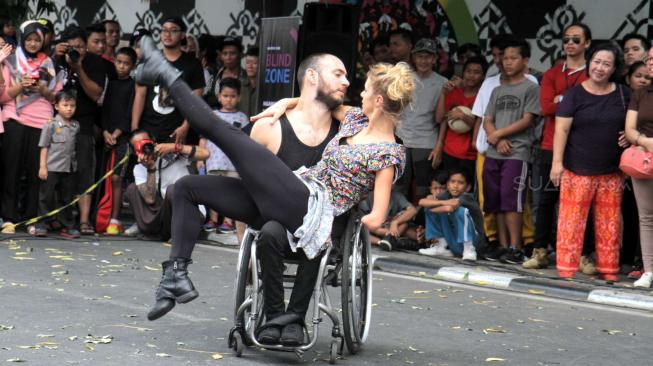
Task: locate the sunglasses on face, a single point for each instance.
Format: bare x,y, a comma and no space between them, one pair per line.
571,39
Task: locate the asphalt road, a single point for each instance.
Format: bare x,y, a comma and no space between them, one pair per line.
84,303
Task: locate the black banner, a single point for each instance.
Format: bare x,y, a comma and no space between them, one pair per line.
277,59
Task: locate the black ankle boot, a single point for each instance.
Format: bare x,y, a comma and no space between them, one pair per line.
155,69
175,286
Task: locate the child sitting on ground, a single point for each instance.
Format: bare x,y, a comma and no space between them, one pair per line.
454,222
218,163
116,125
58,164
400,213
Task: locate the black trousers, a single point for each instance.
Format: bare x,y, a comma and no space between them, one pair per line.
57,182
20,155
469,166
267,191
546,219
273,248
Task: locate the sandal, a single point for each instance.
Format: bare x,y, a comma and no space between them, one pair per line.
86,229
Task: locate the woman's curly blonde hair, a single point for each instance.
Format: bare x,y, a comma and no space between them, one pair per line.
394,83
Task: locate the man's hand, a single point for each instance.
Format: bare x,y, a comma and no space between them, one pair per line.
504,147
275,111
149,161
43,173
76,66
435,157
180,133
60,49
109,140
164,149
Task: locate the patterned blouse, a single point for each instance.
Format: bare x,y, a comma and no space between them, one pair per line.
348,171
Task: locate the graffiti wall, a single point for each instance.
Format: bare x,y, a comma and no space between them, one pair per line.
451,22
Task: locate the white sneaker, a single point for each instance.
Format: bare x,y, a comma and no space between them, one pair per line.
645,280
436,250
132,231
469,254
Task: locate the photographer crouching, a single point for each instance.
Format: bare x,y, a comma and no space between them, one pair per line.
150,196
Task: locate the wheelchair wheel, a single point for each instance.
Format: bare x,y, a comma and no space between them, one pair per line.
244,291
356,286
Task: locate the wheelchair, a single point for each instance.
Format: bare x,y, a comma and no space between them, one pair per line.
347,264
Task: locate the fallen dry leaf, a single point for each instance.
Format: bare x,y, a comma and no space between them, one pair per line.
537,320
421,291
16,360
536,292
115,254
494,359
217,356
494,330
22,259
151,268
162,355
6,327
612,331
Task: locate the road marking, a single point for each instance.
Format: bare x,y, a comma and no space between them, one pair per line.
519,294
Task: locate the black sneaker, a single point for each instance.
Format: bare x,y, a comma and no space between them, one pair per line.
495,254
387,243
513,256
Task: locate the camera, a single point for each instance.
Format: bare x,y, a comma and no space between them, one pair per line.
145,147
73,54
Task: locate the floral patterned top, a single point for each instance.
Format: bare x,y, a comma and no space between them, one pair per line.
348,171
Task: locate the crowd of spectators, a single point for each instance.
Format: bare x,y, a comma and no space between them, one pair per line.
504,163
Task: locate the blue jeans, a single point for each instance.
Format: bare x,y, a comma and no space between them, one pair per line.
456,228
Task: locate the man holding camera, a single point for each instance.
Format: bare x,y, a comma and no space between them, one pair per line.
85,73
160,166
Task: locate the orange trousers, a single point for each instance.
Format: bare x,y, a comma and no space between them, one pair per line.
577,193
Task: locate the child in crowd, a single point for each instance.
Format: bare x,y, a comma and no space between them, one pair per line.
400,213
58,163
116,123
218,163
454,149
508,121
454,222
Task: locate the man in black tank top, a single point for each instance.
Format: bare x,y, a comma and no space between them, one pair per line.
299,140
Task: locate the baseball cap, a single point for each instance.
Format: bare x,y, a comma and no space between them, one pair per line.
426,45
176,20
136,36
231,41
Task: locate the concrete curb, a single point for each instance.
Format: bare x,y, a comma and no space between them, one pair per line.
567,290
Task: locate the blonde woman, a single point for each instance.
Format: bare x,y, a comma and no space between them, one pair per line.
362,157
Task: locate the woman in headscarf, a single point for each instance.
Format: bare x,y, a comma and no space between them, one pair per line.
30,86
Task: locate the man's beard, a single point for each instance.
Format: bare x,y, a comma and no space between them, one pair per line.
326,98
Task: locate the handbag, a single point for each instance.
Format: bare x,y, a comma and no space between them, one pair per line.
637,163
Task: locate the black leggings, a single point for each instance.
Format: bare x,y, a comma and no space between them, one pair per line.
268,189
